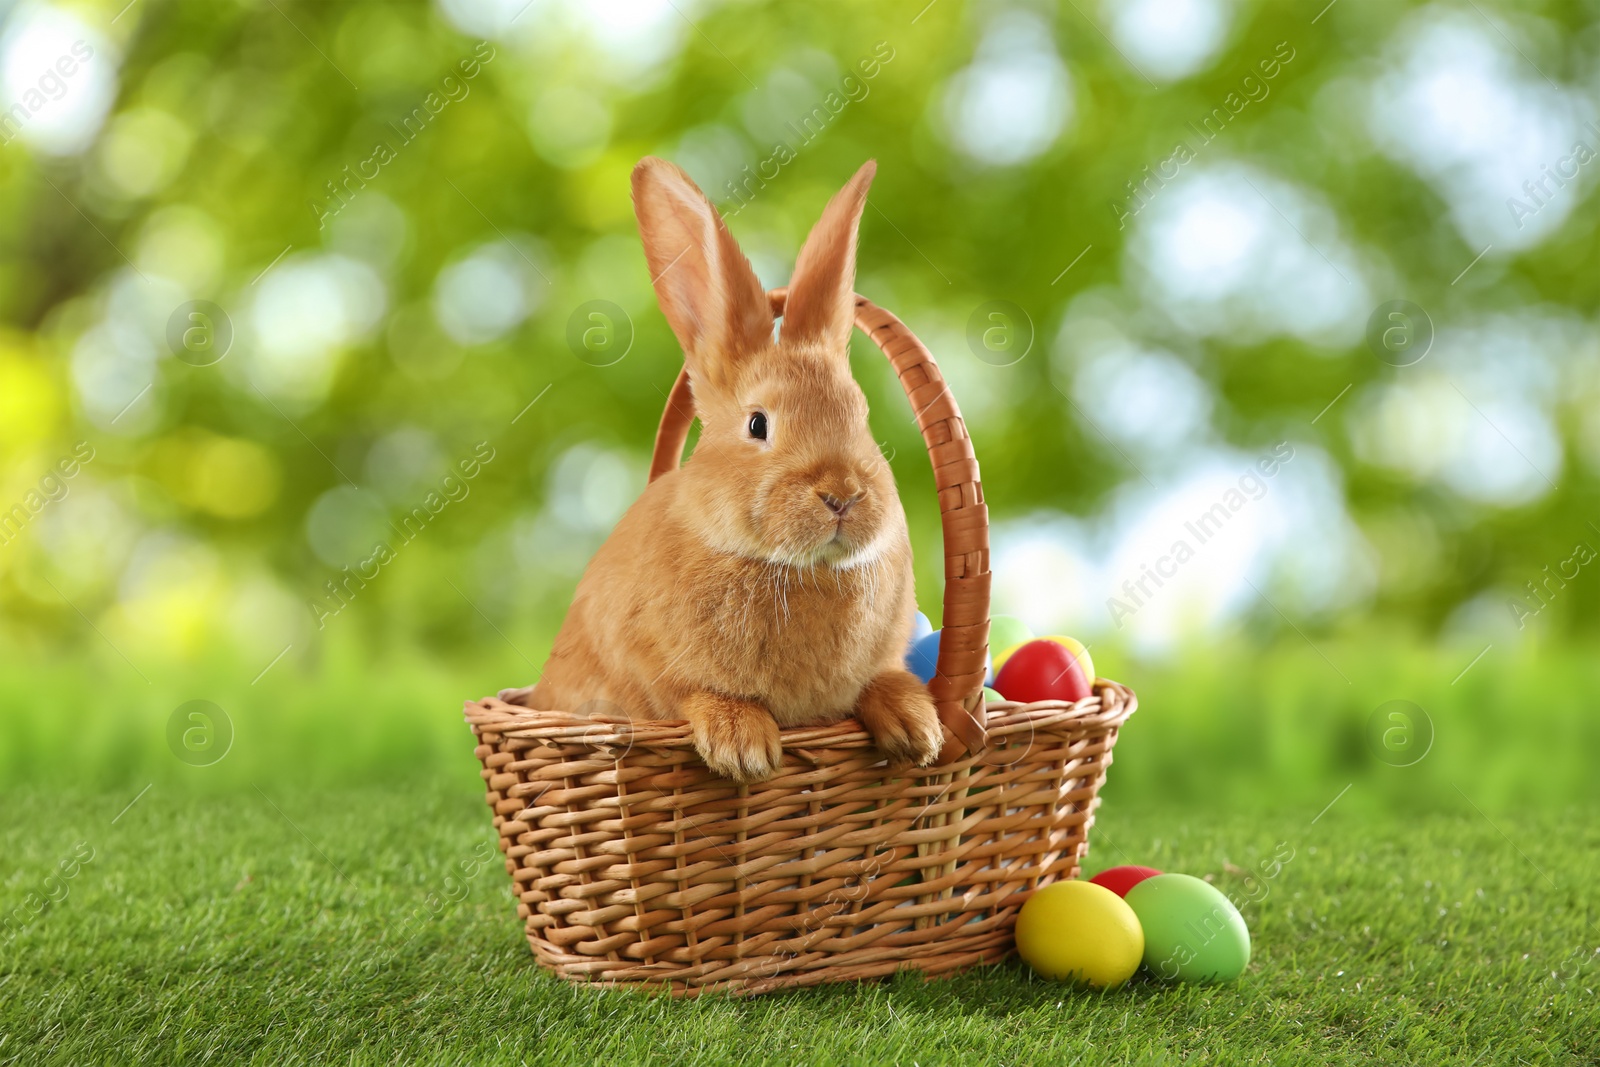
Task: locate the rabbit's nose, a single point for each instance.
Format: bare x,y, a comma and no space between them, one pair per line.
840,506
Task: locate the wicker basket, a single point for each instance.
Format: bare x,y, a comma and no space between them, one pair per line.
633,864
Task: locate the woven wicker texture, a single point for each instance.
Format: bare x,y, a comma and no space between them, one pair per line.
633,864
957,684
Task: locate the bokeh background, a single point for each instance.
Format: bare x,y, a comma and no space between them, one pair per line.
295,290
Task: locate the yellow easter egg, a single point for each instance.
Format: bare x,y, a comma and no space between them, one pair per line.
1082,932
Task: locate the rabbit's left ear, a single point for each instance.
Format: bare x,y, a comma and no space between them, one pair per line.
821,305
707,290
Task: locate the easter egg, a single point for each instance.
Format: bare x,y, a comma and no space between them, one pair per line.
1004,653
1191,930
920,627
1073,645
990,696
1121,879
1080,931
1007,631
923,659
1043,670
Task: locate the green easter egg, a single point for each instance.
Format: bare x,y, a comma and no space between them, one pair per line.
1191,931
1006,631
990,696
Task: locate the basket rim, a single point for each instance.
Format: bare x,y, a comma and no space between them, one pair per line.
1108,707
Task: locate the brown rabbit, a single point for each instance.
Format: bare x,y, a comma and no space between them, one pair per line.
767,582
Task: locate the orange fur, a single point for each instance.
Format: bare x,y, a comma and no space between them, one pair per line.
763,583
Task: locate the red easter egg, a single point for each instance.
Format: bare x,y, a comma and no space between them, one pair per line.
1121,879
1043,670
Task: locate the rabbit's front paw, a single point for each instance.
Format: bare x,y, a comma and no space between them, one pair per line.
738,739
522,697
898,712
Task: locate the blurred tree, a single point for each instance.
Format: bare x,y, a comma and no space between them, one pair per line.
408,224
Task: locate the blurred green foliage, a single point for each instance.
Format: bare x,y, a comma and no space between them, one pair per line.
210,180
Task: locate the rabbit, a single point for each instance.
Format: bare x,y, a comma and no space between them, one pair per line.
766,582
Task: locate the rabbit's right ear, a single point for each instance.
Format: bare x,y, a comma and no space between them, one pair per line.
707,290
822,300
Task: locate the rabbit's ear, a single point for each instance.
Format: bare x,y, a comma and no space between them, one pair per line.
821,305
710,296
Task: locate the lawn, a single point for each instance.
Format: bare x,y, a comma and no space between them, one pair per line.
274,925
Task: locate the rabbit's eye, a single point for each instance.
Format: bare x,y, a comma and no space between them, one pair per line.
758,426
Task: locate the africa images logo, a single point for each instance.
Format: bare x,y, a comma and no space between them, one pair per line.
1251,88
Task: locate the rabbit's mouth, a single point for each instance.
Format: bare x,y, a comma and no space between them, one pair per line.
843,550
839,544
819,523
846,547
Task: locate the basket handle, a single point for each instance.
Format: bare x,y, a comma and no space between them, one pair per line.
957,684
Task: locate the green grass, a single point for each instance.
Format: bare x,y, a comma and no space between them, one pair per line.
276,925
298,900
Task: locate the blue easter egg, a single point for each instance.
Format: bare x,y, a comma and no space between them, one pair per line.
920,627
923,659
